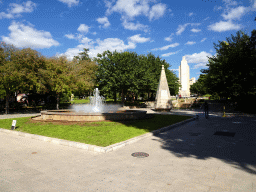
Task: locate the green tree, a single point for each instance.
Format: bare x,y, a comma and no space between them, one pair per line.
83,55
32,68
199,87
129,73
118,73
9,74
58,77
83,73
231,70
152,74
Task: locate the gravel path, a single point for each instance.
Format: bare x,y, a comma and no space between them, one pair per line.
9,116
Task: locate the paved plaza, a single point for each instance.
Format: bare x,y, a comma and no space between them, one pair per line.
215,154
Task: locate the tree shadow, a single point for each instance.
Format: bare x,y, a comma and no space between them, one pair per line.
197,140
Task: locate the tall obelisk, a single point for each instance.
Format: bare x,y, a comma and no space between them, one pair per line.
163,97
184,78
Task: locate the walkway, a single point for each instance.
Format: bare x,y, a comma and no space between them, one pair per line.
187,158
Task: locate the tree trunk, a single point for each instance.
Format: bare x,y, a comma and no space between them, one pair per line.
58,100
122,96
7,104
115,96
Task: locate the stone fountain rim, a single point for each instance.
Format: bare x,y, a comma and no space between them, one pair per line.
73,113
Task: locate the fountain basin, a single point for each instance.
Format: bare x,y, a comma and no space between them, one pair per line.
70,115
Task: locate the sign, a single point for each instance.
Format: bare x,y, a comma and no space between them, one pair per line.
13,124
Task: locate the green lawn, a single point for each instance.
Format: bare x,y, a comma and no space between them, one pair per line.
94,133
80,101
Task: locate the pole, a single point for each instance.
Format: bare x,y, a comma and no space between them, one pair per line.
224,111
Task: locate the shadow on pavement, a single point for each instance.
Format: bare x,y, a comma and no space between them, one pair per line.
196,139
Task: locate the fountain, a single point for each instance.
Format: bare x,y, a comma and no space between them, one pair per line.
97,110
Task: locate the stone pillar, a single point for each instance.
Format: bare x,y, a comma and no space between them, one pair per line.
184,78
163,97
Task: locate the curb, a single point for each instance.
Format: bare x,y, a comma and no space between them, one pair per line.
95,148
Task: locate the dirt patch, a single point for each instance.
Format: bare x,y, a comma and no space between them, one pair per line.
30,121
44,122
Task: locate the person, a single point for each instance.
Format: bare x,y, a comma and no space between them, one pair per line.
176,96
206,109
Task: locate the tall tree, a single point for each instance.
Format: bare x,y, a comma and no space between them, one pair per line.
84,74
9,74
225,75
83,55
59,77
199,86
118,72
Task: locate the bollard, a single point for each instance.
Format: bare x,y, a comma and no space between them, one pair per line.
224,111
13,124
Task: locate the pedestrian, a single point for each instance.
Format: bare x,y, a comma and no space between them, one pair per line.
176,96
179,96
206,109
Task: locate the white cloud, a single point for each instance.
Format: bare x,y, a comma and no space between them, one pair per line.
229,2
16,9
217,8
157,11
224,26
86,41
104,21
254,4
70,36
70,2
26,36
190,43
83,28
190,14
129,9
182,28
168,54
166,47
201,65
199,58
203,39
235,13
195,30
110,44
137,26
206,18
138,39
169,38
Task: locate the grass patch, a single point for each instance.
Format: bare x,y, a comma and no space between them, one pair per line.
80,101
95,133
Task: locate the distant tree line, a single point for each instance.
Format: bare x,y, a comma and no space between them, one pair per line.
125,73
27,71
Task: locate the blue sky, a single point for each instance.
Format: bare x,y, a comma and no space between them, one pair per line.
168,28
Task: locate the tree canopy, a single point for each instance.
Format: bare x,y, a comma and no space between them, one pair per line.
129,73
232,70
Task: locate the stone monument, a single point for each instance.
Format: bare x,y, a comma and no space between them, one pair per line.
184,91
163,97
